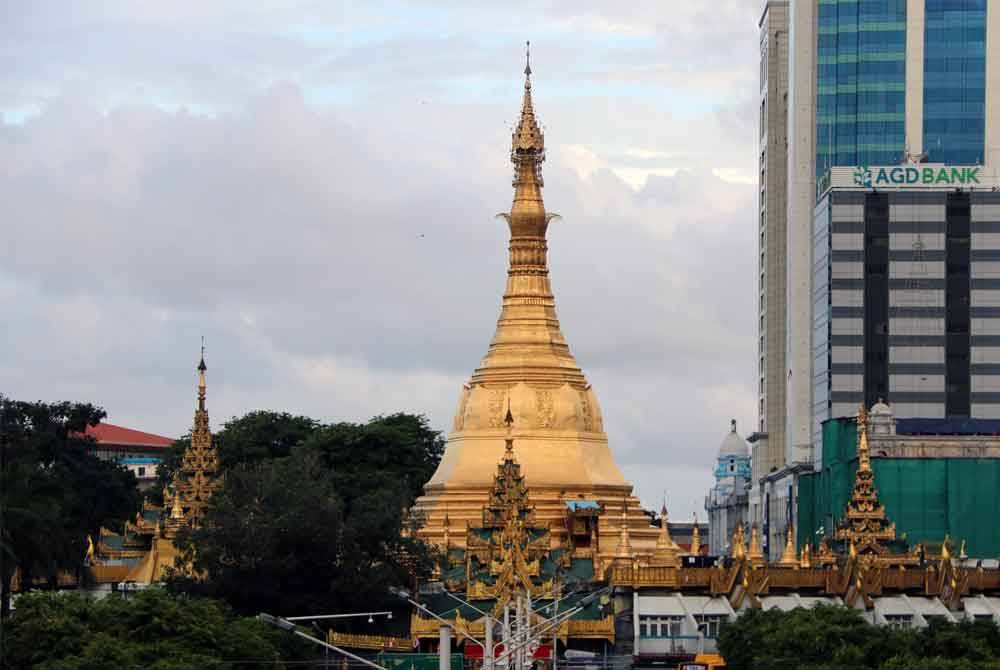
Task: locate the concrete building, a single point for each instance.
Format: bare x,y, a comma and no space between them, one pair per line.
870,83
772,159
139,452
726,503
906,292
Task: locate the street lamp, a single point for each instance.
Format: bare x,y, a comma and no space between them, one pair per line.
317,617
287,625
486,646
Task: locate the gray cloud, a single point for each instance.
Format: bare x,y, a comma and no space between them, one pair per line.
342,259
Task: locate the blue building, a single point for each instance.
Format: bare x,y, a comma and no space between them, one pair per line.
896,78
726,503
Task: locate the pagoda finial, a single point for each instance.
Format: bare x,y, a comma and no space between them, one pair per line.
527,58
509,422
527,216
201,376
806,560
695,538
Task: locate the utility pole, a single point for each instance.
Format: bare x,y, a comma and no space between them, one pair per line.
444,648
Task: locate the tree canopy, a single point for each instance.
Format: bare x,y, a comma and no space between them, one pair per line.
53,490
150,630
829,637
310,517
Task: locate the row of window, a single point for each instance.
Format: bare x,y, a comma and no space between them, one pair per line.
673,626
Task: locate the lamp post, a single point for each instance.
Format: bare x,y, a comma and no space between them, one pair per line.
317,617
285,624
554,623
487,647
326,652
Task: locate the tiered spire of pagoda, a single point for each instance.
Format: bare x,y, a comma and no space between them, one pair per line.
864,524
198,477
510,516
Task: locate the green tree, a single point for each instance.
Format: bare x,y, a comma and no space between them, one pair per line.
53,490
151,630
312,517
254,437
398,452
830,637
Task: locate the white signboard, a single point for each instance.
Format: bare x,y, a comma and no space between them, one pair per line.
921,176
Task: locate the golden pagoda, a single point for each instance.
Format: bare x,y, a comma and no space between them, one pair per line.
864,526
529,370
184,501
198,478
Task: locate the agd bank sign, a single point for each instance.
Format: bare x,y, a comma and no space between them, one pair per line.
908,176
917,176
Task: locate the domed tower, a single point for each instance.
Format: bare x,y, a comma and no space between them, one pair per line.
529,370
726,500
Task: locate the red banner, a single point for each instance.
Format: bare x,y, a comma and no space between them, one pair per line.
473,650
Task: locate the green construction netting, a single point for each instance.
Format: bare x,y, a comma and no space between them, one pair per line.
927,498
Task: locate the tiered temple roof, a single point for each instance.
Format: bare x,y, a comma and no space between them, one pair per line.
145,550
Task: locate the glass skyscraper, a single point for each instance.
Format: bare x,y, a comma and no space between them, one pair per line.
860,82
954,81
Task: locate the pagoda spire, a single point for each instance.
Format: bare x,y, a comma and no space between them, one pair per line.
788,558
201,377
864,524
695,538
198,476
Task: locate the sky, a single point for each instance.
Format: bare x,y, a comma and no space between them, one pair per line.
312,187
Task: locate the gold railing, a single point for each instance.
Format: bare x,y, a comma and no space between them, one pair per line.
598,629
364,641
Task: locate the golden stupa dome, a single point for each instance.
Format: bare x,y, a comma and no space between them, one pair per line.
557,428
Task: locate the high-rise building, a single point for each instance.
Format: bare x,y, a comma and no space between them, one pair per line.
772,160
870,82
907,288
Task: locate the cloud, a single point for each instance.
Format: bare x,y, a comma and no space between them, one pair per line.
328,223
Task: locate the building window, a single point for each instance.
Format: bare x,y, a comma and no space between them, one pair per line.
898,620
142,471
709,624
660,626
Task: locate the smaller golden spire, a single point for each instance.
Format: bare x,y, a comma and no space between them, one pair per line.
756,554
806,560
864,460
176,511
739,547
945,552
666,552
788,558
695,538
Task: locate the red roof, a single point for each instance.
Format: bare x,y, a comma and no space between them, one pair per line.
108,433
